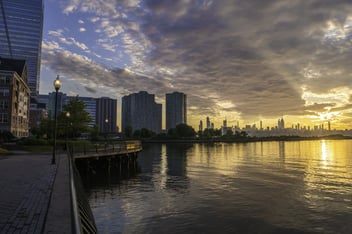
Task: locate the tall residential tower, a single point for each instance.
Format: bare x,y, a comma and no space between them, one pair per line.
139,110
176,109
106,114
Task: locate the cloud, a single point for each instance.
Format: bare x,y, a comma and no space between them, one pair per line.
80,70
235,58
59,35
94,19
91,90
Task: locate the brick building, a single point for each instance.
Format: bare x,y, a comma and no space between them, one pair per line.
14,97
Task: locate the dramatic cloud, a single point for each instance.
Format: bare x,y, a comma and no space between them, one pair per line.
236,59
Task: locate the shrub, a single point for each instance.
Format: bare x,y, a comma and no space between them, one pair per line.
33,141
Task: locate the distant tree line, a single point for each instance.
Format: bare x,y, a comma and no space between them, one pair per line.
184,131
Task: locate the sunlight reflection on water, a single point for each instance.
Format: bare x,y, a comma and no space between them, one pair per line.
259,187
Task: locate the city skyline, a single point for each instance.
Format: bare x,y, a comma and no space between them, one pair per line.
241,61
231,123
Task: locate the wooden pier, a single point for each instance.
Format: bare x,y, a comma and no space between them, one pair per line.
103,150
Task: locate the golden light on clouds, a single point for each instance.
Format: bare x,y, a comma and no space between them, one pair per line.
226,104
328,115
338,96
232,61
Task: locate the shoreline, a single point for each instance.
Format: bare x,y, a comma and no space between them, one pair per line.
247,140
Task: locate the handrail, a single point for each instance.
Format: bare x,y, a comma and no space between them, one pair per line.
82,217
122,147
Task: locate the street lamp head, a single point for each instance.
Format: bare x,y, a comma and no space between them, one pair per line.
68,114
106,120
57,83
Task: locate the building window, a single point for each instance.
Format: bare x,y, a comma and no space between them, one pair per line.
4,92
5,79
3,118
4,104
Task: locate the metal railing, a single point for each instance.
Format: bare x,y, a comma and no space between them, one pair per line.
100,149
82,217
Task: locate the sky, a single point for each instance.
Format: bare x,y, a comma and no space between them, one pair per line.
242,61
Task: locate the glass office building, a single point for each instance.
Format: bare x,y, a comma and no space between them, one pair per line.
21,29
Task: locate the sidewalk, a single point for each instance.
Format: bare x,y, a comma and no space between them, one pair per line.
26,184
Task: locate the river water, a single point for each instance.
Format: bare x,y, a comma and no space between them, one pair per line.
258,187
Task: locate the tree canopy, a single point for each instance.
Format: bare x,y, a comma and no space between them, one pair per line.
78,119
182,130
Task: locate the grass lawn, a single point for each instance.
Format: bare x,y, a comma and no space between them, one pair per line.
35,148
4,151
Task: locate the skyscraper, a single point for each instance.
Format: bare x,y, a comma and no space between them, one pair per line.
176,109
139,110
281,123
208,122
21,28
200,125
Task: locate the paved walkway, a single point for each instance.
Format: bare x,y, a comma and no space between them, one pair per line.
34,194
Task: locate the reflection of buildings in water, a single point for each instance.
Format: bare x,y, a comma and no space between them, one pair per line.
149,158
282,151
164,165
176,162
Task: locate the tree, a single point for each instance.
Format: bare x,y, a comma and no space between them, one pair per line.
137,133
241,134
45,129
209,132
94,133
143,133
6,136
78,120
229,132
128,131
184,130
172,132
181,130
244,134
146,133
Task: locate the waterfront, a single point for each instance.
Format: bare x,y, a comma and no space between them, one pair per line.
257,187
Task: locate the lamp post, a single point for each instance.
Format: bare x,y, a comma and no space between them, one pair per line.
106,128
106,124
57,86
67,121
